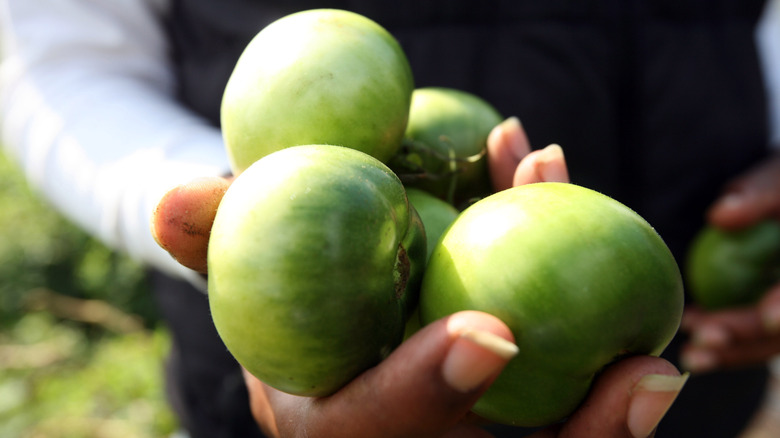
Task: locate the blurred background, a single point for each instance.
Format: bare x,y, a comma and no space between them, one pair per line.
81,346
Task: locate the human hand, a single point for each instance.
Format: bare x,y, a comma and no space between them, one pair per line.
749,335
428,385
181,222
512,163
732,338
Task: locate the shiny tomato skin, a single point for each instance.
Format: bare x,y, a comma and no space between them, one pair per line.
579,278
314,265
320,76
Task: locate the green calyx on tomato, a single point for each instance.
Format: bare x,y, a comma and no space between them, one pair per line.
321,76
445,144
733,268
578,277
314,264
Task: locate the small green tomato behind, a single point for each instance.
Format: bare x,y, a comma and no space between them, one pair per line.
436,214
314,264
733,268
578,277
320,76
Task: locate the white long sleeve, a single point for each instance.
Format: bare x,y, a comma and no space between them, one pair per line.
768,40
86,107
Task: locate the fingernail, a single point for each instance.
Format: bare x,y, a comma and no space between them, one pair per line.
511,123
474,357
508,131
770,317
502,128
698,361
552,165
651,398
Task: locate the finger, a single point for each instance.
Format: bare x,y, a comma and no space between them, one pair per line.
628,399
181,222
692,316
769,308
698,359
424,388
732,338
507,144
260,404
545,165
734,324
750,198
694,322
719,328
720,338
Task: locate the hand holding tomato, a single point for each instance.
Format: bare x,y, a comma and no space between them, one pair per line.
428,385
185,214
747,335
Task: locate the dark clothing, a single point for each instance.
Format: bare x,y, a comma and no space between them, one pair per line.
656,103
204,383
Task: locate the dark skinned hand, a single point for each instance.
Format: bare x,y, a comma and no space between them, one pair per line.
750,335
427,386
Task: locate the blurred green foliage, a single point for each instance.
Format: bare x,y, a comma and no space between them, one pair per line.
64,371
56,382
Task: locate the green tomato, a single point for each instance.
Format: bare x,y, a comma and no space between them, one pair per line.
436,216
733,268
578,277
435,213
314,264
445,144
320,76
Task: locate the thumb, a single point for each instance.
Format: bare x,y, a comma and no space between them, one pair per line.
426,387
181,222
431,381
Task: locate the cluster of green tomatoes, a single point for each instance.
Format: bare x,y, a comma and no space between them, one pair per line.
361,204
